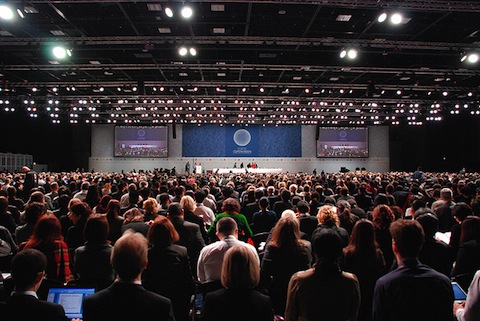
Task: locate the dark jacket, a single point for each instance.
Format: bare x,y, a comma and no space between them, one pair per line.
127,302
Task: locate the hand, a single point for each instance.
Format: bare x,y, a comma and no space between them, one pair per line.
458,305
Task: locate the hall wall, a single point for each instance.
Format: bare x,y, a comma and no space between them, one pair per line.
102,143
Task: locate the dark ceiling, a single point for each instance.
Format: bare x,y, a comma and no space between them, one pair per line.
266,62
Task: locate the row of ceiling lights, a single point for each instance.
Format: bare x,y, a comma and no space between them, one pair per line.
398,92
62,52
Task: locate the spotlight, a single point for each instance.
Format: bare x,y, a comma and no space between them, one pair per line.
352,53
396,18
471,58
193,51
6,13
182,51
61,53
381,18
187,12
168,12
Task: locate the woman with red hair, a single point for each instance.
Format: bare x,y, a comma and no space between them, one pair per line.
47,238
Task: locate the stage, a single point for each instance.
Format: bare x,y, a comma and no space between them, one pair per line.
245,170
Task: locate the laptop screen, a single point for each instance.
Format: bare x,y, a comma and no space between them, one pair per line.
71,299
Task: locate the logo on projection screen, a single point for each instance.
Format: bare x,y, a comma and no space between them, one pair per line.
141,133
242,137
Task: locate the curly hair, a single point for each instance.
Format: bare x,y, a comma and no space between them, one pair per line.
382,217
327,215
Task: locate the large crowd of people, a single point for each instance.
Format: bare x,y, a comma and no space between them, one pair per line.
294,246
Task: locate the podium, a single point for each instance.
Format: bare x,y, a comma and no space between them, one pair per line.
198,169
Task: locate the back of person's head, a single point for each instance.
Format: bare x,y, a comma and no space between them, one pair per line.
104,201
343,205
129,255
227,191
179,191
327,246
258,193
408,236
470,229
382,217
446,194
327,215
363,237
429,224
175,210
133,197
330,200
34,211
162,233
47,230
263,202
164,198
11,191
240,269
421,211
226,226
26,267
150,205
85,186
380,199
303,207
231,205
133,215
344,191
37,197
199,196
188,204
145,193
113,208
81,210
96,230
285,195
286,232
461,210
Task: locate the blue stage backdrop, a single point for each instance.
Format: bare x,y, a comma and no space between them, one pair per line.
234,141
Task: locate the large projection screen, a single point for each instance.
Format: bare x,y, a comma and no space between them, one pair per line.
141,141
342,142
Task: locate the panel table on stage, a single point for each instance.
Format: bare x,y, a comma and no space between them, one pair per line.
245,170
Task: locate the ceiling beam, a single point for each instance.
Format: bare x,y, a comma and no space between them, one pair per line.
427,5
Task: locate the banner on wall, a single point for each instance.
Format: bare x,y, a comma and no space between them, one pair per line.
241,142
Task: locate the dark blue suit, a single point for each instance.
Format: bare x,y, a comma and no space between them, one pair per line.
413,291
127,302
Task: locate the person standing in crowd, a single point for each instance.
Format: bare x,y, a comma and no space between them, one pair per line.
238,300
284,255
413,291
363,257
211,256
324,291
28,271
231,208
126,299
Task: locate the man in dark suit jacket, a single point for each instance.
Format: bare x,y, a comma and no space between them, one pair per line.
127,299
28,270
413,291
190,235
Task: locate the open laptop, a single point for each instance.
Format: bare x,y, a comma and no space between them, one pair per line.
71,299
